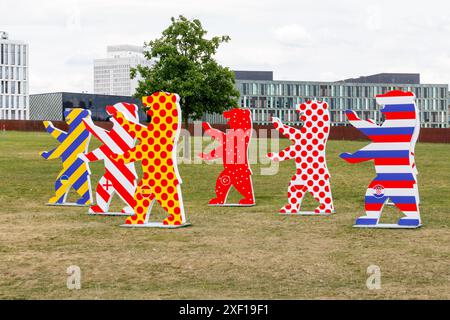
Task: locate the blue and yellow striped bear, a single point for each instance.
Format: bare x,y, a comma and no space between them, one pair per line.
75,172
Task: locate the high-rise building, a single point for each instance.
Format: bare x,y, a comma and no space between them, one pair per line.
277,98
14,99
112,74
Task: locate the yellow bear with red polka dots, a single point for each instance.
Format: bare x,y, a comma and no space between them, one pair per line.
157,153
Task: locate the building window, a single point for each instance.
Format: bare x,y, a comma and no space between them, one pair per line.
13,54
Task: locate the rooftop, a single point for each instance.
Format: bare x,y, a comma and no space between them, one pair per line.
254,75
412,79
393,78
124,47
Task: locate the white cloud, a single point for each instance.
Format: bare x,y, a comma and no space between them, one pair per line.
293,35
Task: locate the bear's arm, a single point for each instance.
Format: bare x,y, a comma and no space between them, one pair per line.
286,154
358,123
94,155
133,128
55,132
48,155
358,156
213,133
99,133
213,154
132,155
285,130
55,153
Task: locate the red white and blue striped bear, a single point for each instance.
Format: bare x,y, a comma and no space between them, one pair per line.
392,150
119,177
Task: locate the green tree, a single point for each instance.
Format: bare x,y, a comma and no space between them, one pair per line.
185,65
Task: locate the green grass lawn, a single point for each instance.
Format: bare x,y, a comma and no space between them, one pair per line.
227,252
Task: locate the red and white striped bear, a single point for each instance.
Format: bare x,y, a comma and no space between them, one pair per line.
119,178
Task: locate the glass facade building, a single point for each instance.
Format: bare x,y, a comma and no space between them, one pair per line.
51,106
276,98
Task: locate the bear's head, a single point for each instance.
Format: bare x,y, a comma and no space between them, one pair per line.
238,118
165,113
398,105
74,116
314,113
129,111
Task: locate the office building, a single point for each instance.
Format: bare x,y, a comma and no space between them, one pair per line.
112,74
51,106
14,99
448,110
277,98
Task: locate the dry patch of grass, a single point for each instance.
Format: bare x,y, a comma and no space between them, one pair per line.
228,252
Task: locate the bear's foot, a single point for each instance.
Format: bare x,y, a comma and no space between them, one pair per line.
411,222
135,220
216,202
55,200
247,202
323,210
366,221
84,200
95,210
171,221
289,208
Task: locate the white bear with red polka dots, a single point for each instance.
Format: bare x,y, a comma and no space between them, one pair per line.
308,150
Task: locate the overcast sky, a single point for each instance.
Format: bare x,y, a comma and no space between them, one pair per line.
298,40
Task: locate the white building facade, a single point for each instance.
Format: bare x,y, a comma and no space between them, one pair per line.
14,97
112,75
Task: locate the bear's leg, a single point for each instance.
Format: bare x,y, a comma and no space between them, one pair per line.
296,192
144,199
408,203
62,187
170,199
223,185
104,193
243,184
374,205
322,194
174,210
416,193
82,187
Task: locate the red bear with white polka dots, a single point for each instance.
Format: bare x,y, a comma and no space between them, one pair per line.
308,150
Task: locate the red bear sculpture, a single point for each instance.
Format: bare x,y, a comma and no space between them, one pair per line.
233,149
